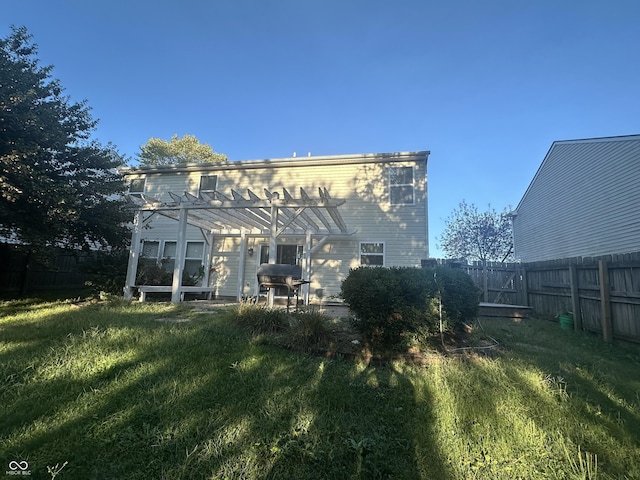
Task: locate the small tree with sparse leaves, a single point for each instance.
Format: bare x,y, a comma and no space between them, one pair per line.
474,235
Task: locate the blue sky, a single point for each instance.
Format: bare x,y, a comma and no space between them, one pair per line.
486,86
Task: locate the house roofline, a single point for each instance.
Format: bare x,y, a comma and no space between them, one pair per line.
616,138
320,160
613,138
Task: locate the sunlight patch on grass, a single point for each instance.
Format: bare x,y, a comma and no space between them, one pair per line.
118,395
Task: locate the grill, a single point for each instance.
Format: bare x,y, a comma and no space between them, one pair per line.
279,275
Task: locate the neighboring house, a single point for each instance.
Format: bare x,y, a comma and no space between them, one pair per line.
327,214
584,200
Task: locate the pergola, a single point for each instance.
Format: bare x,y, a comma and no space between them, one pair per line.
216,214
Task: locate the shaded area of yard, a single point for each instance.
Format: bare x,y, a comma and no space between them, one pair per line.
118,394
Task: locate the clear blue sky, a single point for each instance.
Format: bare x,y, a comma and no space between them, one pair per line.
486,86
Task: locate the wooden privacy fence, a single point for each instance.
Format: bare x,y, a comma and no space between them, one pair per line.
20,275
503,282
601,293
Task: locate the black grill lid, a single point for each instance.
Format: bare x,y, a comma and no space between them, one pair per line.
279,270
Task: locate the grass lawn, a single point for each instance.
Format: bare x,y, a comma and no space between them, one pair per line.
116,391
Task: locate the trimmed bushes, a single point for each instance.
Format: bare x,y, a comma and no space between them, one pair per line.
388,303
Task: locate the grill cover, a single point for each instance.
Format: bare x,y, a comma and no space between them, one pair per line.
280,275
281,270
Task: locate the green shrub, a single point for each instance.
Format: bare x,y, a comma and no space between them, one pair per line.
309,330
150,273
107,271
260,319
460,295
389,303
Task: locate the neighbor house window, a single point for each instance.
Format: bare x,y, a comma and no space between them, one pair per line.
136,187
208,183
371,253
401,186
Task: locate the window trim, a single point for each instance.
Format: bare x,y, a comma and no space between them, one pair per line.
150,240
138,193
383,254
200,190
412,184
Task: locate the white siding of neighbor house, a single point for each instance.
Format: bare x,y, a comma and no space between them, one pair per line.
363,182
583,201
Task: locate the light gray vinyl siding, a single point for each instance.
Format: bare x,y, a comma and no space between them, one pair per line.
367,211
583,201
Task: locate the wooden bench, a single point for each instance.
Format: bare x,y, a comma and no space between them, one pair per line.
144,289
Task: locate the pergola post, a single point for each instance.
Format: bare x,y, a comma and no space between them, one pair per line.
273,242
307,267
241,264
134,253
181,247
207,259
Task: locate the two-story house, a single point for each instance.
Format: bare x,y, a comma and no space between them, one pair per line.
328,214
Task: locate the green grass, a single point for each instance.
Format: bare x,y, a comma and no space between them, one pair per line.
117,394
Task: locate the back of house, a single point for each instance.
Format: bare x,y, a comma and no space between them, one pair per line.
327,214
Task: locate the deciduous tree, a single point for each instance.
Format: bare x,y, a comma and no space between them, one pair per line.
474,235
188,149
57,186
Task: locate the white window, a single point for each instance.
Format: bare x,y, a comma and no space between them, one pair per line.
401,186
150,249
372,253
194,255
136,187
169,256
193,259
208,183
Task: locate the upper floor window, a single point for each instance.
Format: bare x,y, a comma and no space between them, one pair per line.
208,183
372,253
401,186
136,187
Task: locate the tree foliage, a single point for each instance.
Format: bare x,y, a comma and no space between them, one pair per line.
57,187
188,149
473,235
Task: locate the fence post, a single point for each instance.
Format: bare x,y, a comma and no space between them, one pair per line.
485,281
524,292
605,304
575,297
26,273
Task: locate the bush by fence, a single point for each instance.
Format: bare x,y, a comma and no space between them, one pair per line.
388,303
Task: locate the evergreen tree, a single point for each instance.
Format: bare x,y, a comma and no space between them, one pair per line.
57,186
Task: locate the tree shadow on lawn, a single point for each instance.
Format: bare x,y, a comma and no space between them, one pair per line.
199,400
358,428
578,378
